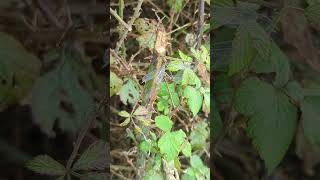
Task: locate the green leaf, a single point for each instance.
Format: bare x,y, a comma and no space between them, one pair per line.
216,123
279,63
222,89
311,118
95,176
199,135
176,5
164,123
170,144
129,92
94,158
187,149
125,122
190,78
18,70
242,51
154,174
58,95
176,65
167,91
185,57
44,164
295,91
312,12
194,99
197,169
140,111
272,119
115,84
124,114
145,146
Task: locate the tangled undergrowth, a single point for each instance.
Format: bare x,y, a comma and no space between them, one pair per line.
160,89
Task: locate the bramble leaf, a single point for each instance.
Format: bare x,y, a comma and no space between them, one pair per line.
194,99
44,164
170,144
94,158
164,123
272,119
311,118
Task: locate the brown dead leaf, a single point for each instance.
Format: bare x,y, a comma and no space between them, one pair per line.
203,73
296,32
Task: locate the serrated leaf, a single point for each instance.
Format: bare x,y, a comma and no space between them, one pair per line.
124,114
115,84
129,92
140,111
93,158
95,176
197,170
222,89
164,123
187,149
18,70
194,99
154,174
278,63
311,118
272,119
189,77
242,51
295,91
58,95
145,146
199,135
176,65
167,91
44,164
312,12
185,57
125,122
170,144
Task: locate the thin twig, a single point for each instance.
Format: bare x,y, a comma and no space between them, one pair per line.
114,13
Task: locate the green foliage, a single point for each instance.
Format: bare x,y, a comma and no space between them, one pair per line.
44,164
199,135
176,5
164,123
170,144
197,171
58,94
269,103
272,123
94,158
310,115
18,70
129,92
115,83
194,99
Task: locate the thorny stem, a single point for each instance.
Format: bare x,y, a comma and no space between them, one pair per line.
200,23
114,13
82,134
